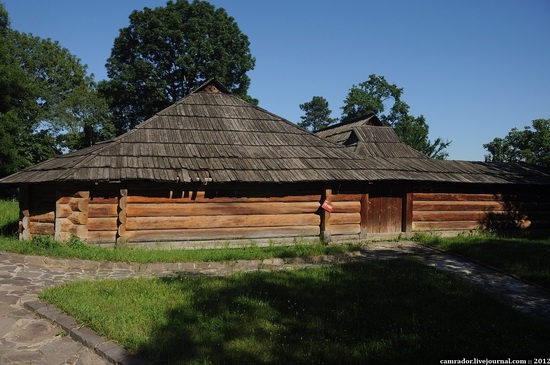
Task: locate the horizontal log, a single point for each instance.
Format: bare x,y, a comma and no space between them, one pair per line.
420,216
345,229
42,228
48,217
103,200
345,218
227,221
102,210
347,207
446,226
456,206
101,236
456,197
345,197
175,209
220,233
200,197
102,224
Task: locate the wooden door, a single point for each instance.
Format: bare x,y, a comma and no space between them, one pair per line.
385,212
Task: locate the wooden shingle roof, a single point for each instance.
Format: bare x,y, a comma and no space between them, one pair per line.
380,145
213,136
367,137
209,135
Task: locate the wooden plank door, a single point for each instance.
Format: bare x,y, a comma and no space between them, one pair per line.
385,212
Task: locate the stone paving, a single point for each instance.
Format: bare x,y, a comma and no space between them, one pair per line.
34,333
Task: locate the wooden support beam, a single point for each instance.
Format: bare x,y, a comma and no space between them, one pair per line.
407,212
24,215
364,215
121,236
325,217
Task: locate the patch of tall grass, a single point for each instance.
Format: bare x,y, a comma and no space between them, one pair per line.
9,217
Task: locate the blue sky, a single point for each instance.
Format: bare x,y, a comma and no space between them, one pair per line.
474,68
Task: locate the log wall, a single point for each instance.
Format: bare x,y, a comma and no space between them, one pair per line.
102,216
454,212
146,214
154,216
71,215
37,211
345,219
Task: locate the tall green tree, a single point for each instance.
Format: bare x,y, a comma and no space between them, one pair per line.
377,96
530,145
38,79
167,52
317,114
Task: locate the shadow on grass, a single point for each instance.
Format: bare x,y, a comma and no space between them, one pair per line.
527,258
9,229
395,311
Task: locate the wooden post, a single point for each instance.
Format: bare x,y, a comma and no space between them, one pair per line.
325,217
24,214
58,220
121,237
407,213
364,215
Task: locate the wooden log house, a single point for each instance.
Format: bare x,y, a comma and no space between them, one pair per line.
212,170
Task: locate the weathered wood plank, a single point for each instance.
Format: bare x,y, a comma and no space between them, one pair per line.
48,217
407,212
364,215
228,221
102,224
103,200
456,206
42,228
456,197
175,209
445,226
325,223
345,218
101,236
102,210
477,216
346,197
221,233
201,198
347,207
122,216
346,229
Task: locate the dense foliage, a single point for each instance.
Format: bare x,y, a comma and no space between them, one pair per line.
48,102
317,114
531,145
167,52
374,96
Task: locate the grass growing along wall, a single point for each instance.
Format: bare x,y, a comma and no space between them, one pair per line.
377,312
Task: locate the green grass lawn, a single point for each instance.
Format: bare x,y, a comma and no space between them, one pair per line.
528,258
9,217
378,312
